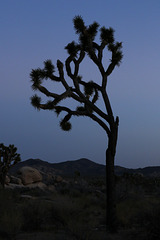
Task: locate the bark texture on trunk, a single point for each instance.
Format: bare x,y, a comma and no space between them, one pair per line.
2,179
2,176
111,216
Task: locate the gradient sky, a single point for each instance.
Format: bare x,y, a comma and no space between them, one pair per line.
33,31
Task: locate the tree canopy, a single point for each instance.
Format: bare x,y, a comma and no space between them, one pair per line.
8,158
91,90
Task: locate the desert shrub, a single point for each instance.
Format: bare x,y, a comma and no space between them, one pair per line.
10,214
35,192
63,189
128,211
97,181
35,214
71,189
139,213
10,221
78,215
8,195
151,223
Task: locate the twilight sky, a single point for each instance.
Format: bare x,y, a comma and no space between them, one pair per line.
33,31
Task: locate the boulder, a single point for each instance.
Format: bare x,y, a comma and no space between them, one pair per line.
15,186
27,196
29,175
51,188
39,185
7,180
15,180
58,179
48,178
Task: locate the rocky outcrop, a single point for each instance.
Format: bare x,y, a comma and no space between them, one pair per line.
15,180
29,175
58,179
39,185
7,180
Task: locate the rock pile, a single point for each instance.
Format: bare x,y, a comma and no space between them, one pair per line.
32,178
29,175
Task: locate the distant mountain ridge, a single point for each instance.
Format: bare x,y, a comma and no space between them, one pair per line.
84,166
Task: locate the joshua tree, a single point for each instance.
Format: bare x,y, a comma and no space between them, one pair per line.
8,158
85,93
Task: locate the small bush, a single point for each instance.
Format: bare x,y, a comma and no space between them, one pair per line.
34,215
153,224
10,221
10,214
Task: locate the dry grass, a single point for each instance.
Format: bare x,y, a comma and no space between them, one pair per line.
76,215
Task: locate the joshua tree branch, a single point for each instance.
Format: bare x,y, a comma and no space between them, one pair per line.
110,68
107,104
100,122
45,91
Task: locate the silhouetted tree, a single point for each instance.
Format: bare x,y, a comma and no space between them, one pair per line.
8,158
85,93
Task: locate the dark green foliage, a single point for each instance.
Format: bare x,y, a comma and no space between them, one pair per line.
76,53
79,24
79,78
8,158
80,109
92,30
107,35
50,105
10,215
72,49
36,78
88,88
48,68
66,126
153,226
86,34
35,101
117,57
33,215
116,52
85,41
37,75
58,110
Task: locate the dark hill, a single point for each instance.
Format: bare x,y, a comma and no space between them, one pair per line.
84,166
68,168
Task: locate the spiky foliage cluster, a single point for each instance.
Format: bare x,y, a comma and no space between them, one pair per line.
89,97
35,101
65,126
72,49
107,35
79,24
87,36
8,158
81,109
37,75
89,89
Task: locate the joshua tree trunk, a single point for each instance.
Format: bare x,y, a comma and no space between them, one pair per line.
3,182
3,177
111,217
